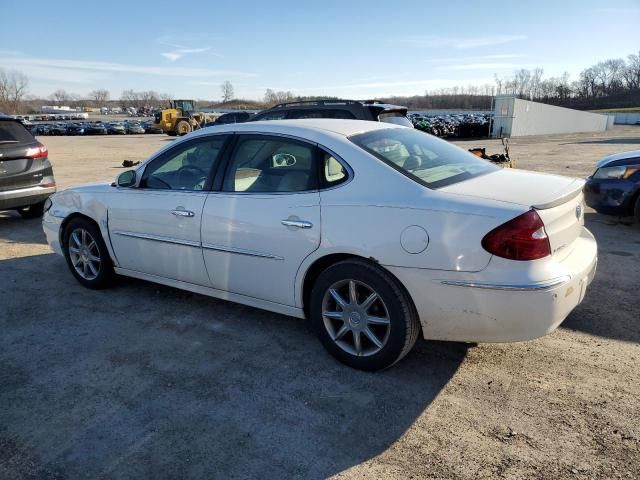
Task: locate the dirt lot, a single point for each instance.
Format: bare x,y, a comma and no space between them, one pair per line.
143,381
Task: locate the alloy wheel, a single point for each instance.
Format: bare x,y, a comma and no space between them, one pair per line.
84,254
356,317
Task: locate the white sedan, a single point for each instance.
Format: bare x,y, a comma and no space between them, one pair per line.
375,232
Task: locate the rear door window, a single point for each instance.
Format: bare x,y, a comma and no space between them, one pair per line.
14,132
271,164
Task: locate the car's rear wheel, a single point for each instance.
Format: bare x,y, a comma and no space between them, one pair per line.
32,211
636,209
363,316
86,254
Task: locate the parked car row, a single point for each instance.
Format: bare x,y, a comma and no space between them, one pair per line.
96,128
454,125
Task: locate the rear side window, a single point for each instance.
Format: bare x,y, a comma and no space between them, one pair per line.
429,161
333,171
14,132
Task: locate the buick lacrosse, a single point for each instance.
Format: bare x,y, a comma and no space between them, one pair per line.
375,232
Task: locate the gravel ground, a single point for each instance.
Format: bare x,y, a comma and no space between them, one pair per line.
143,381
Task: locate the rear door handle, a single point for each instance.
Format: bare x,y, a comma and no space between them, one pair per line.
297,223
182,213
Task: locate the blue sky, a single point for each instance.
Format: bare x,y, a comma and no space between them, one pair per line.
326,47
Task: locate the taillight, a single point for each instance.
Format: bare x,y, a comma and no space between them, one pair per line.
39,151
522,238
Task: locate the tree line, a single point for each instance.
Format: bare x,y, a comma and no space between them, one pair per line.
611,83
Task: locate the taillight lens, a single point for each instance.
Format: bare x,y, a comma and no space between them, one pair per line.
40,151
522,238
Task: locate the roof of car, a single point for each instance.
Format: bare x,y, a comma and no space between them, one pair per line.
339,126
618,156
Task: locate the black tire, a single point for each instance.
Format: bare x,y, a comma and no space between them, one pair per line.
104,271
32,211
400,334
636,209
183,127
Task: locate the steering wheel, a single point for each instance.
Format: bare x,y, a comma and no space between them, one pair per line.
192,172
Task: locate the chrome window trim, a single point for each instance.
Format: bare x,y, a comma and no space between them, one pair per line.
240,251
545,285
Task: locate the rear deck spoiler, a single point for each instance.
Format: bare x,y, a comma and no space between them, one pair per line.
573,190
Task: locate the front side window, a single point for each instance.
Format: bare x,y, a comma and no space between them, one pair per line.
186,167
430,161
271,164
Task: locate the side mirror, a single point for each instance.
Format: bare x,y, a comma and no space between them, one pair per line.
126,179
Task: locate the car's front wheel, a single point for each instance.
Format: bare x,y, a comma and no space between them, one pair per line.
86,254
363,316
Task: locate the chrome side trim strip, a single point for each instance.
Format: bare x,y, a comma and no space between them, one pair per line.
546,285
240,251
157,238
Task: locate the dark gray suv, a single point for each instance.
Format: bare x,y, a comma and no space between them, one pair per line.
372,110
26,176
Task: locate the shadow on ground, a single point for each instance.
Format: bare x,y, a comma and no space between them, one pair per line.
610,307
144,381
14,228
606,141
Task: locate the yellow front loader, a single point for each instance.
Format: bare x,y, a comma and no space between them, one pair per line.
182,118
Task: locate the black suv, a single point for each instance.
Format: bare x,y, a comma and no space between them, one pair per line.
231,117
26,176
346,109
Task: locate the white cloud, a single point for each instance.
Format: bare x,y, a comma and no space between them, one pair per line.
75,66
436,41
476,58
181,52
480,66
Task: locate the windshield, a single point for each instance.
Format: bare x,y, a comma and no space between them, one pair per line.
428,160
397,118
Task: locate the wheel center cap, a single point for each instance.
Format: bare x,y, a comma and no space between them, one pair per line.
355,318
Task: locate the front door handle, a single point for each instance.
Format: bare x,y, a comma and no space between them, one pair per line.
182,213
297,223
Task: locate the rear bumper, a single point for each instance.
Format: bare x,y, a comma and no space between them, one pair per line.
453,306
23,197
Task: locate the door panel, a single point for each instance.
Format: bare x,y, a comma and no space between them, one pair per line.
155,228
248,250
159,233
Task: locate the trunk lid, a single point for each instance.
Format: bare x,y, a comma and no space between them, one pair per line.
558,200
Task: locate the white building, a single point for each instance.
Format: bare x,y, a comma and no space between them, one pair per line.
513,117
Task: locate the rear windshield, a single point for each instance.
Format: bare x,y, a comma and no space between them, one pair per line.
14,132
428,160
396,118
